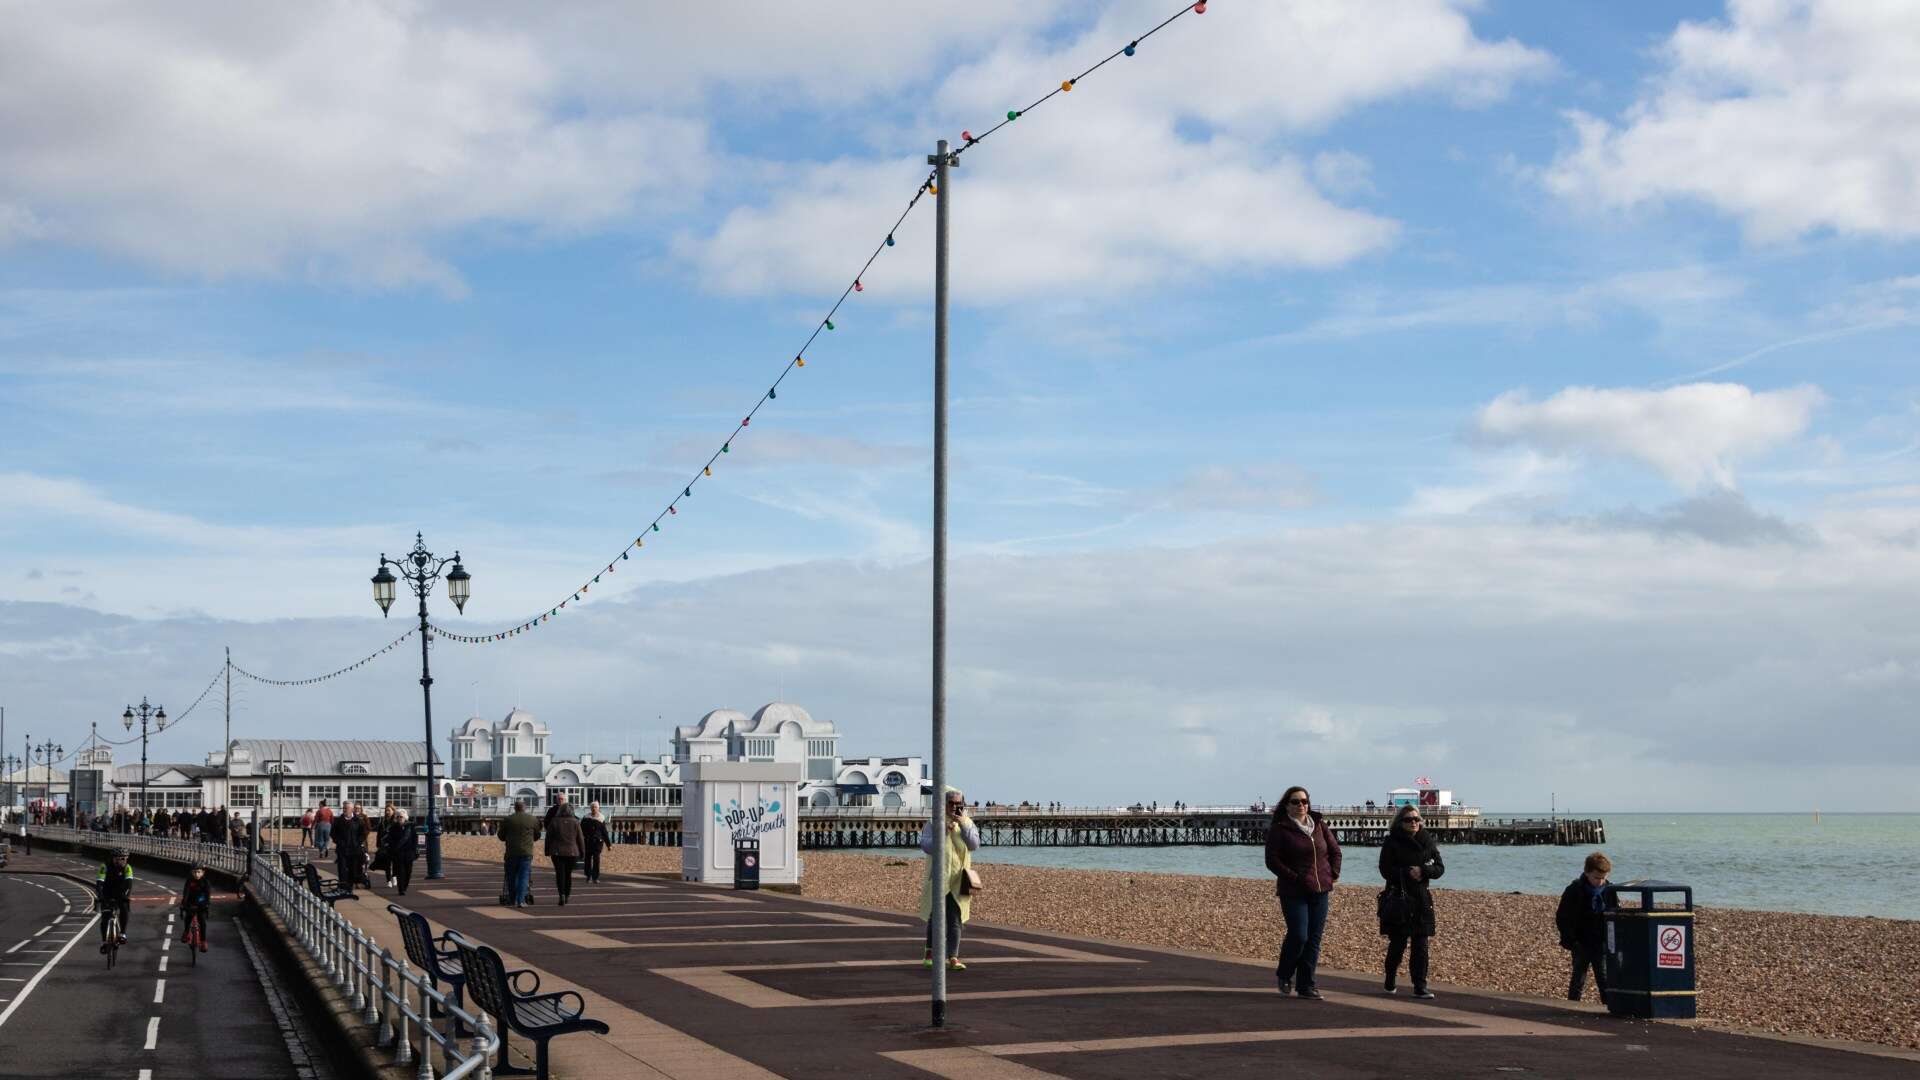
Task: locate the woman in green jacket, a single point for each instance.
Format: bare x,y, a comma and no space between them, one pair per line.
962,839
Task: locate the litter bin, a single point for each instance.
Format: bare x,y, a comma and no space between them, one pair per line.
746,864
1650,951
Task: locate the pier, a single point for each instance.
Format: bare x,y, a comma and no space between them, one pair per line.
1011,826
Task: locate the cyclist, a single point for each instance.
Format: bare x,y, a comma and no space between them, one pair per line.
116,888
195,901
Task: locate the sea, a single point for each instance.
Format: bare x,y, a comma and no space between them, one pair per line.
1839,864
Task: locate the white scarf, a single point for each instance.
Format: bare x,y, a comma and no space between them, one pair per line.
1304,824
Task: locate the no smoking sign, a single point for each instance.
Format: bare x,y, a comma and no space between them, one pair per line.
1671,949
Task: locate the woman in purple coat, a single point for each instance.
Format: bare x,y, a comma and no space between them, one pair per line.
1304,858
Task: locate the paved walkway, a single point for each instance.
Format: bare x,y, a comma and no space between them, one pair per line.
704,984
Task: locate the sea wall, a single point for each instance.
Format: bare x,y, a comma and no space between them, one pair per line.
1834,976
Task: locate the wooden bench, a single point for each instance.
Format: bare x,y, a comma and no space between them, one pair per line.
540,1017
326,889
439,959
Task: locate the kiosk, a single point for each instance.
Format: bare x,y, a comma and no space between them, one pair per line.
731,801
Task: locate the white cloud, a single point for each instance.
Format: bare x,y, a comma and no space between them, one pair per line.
1691,433
1792,115
1160,167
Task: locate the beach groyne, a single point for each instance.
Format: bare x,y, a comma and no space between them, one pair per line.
1831,976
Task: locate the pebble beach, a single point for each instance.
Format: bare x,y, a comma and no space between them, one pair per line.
1839,977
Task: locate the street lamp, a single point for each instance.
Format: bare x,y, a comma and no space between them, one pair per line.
49,752
9,765
146,713
421,568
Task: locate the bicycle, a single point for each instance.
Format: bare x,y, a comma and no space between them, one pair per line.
196,935
113,934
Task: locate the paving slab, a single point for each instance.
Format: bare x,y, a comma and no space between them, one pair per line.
705,983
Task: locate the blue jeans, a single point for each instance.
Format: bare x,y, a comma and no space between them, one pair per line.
1300,954
519,877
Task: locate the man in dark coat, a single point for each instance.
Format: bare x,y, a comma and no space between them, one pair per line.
1582,922
402,849
518,833
350,844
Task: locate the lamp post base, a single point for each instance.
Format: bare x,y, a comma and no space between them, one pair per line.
433,847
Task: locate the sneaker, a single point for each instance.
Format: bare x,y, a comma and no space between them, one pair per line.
1423,993
954,964
1389,989
1310,993
1286,986
927,963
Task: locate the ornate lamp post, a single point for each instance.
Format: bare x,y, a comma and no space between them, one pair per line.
9,765
157,716
421,568
49,752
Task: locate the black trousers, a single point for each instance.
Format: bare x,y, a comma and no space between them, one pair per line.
1416,965
592,866
1588,955
402,873
563,874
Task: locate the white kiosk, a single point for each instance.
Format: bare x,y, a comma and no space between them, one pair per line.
729,800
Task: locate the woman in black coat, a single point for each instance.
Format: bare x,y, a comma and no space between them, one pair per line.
593,831
402,849
1408,861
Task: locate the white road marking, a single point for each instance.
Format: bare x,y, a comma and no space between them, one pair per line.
43,930
153,1032
146,1074
41,974
159,990
163,963
165,944
17,948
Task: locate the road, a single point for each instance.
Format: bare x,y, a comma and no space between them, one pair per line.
156,1015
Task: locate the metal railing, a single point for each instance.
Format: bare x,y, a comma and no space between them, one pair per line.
392,997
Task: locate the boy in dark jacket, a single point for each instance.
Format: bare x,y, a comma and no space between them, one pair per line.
196,900
1583,925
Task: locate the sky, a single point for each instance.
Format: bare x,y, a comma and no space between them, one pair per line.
1522,396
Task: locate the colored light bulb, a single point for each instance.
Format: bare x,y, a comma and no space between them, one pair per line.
656,526
672,510
1013,114
799,361
708,470
933,188
967,135
889,239
772,393
1131,45
745,421
857,287
688,493
726,448
1200,7
1066,86
829,324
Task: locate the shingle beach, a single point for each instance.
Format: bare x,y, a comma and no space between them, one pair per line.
1833,976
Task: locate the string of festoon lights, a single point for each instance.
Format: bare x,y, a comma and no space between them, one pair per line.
968,140
309,681
172,721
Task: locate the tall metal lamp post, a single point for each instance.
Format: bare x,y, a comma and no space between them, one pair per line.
421,568
49,752
157,716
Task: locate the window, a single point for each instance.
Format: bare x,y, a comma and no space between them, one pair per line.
365,794
243,796
508,744
540,746
401,796
607,796
354,768
329,792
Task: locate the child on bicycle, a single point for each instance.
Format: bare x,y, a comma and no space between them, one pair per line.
115,887
196,899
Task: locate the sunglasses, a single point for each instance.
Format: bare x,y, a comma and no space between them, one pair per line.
1296,802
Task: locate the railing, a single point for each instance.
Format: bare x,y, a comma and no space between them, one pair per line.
387,993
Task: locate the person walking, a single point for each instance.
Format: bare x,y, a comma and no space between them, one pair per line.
593,836
402,849
1409,859
350,845
306,828
380,860
962,838
322,828
1304,858
518,833
564,844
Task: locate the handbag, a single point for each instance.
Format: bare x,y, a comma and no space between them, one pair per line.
382,860
1395,907
969,881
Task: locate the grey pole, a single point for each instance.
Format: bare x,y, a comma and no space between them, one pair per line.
226,756
937,863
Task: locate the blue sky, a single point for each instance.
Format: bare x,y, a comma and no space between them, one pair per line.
1519,395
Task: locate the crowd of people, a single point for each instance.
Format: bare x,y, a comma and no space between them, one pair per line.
362,845
206,824
1304,856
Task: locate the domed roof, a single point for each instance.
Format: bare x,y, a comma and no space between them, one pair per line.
775,713
715,722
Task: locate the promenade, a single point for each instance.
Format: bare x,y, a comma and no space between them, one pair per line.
705,984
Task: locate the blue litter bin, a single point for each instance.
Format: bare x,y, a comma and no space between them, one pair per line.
1650,944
